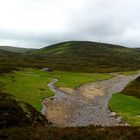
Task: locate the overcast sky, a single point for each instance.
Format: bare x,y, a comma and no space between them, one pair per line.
37,23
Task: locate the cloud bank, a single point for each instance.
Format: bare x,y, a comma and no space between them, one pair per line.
37,23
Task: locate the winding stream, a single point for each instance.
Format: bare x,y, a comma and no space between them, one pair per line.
87,106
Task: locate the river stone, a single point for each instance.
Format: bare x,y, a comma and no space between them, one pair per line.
126,124
113,114
119,119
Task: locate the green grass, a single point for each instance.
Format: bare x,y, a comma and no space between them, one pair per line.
30,85
127,73
69,79
127,106
73,79
26,87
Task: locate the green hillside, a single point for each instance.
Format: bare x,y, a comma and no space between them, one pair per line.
8,61
80,56
138,49
6,53
133,89
15,49
89,57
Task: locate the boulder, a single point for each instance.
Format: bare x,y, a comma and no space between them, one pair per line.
113,114
119,119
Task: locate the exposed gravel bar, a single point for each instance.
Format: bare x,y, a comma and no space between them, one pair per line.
87,106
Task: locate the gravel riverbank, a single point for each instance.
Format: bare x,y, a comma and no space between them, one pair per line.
87,105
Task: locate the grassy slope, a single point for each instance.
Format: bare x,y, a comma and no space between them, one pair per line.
9,61
89,57
75,56
127,103
31,84
133,89
127,73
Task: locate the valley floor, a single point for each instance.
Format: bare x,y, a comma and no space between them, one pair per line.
75,103
86,105
30,85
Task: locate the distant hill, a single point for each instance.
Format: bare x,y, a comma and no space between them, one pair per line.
81,56
7,54
9,60
138,49
89,57
15,49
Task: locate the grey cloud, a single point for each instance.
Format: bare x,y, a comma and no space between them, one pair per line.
107,21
